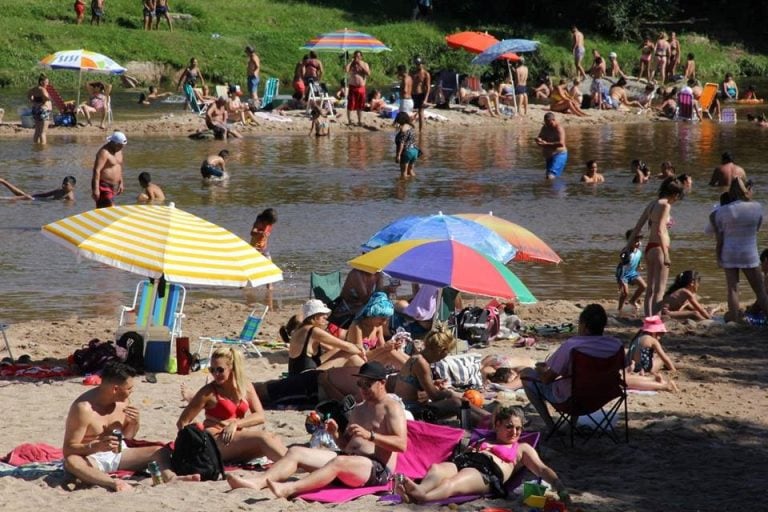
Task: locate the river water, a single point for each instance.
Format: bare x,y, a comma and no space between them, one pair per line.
333,194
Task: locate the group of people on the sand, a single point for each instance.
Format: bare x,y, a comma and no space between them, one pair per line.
735,224
102,424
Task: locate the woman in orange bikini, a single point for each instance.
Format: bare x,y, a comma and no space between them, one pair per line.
231,407
657,261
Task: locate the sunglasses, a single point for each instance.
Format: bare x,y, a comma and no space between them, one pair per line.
218,369
365,383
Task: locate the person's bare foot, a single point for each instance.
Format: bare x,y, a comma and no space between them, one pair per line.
412,491
122,486
183,478
279,489
238,482
186,393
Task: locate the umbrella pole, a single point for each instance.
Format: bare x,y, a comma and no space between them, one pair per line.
514,93
79,81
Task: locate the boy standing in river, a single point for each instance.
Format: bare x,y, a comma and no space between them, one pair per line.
627,272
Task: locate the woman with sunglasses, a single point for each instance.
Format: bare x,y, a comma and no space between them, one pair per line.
231,406
485,467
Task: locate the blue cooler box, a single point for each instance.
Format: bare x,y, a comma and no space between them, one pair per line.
157,349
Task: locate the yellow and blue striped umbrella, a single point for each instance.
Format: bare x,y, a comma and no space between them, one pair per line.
154,240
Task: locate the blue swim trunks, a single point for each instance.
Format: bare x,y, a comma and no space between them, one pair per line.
556,164
253,85
411,154
210,171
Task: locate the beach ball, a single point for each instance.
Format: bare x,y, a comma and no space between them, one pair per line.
474,397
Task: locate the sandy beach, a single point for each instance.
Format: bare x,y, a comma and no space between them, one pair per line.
697,450
296,121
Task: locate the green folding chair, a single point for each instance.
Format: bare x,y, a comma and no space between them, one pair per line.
326,287
271,87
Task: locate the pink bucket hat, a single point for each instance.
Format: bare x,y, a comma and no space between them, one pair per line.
654,324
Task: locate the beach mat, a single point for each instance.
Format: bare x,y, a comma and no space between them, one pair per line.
531,438
427,445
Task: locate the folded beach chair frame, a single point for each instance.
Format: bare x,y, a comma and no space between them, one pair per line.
247,339
599,388
707,98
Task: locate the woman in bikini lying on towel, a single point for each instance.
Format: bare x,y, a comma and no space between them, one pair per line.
485,467
231,406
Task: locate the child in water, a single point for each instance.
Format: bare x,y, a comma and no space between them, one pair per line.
260,232
320,124
680,302
627,272
405,143
641,172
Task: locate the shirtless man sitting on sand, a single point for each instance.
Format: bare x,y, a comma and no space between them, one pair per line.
91,447
216,119
375,435
66,192
107,180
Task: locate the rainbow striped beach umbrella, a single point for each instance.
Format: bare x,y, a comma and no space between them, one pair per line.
345,40
444,263
529,247
155,241
82,60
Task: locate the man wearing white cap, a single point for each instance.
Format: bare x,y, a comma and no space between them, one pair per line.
107,180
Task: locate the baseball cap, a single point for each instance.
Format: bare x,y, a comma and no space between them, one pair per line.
118,138
372,370
417,60
612,55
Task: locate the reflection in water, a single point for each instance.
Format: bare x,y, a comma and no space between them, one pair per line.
333,193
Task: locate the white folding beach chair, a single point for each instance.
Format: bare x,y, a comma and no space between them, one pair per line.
319,97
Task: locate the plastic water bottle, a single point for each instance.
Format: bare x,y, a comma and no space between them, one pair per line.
154,471
465,415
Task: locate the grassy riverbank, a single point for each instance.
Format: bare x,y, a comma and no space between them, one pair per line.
216,32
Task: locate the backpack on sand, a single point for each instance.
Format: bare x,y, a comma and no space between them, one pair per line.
195,453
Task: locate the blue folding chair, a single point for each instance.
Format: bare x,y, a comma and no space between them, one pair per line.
166,311
246,340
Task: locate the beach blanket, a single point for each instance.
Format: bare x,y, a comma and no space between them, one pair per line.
428,114
32,452
531,438
273,117
10,371
427,445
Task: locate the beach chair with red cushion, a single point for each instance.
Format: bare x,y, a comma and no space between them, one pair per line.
598,392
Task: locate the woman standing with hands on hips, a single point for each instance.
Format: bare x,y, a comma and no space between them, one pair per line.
658,216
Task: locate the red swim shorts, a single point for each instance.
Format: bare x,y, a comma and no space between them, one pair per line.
299,87
79,8
356,97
